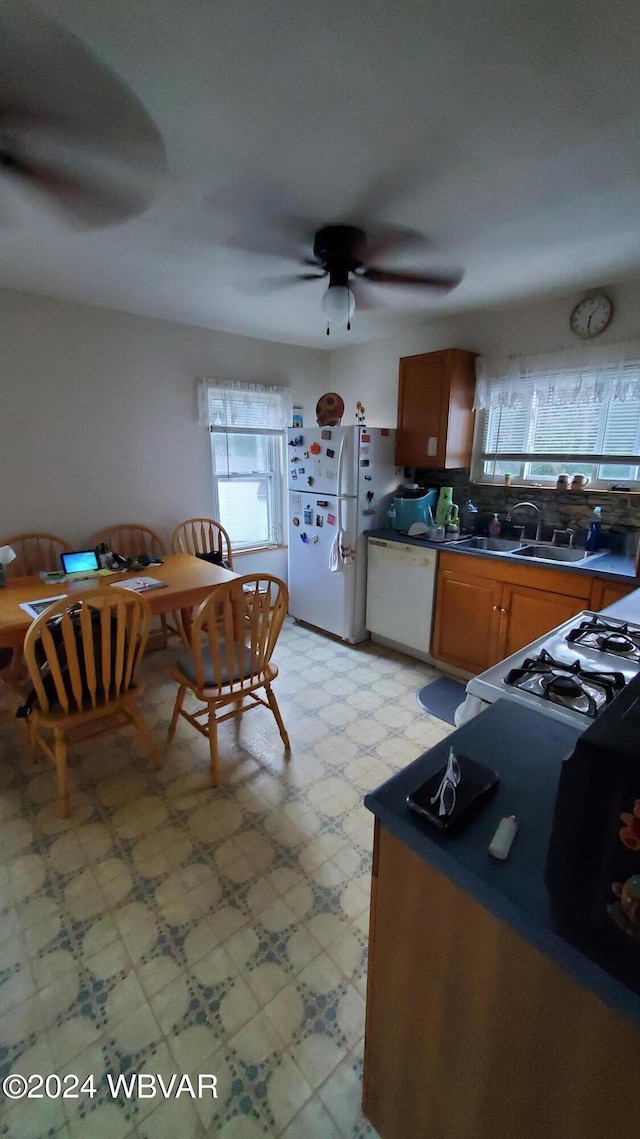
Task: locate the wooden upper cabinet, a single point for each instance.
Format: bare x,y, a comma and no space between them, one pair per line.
435,409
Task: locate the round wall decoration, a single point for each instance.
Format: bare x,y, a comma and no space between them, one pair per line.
329,410
591,316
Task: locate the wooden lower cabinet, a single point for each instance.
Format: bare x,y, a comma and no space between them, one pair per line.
530,613
466,629
606,592
472,1032
487,609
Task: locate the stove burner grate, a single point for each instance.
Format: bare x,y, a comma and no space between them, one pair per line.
608,636
565,683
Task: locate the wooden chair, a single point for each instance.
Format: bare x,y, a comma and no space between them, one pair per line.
132,539
84,679
234,633
202,536
35,553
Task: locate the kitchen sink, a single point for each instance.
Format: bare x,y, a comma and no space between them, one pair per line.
552,553
493,545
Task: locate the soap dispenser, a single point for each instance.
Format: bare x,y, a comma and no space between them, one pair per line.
495,527
593,538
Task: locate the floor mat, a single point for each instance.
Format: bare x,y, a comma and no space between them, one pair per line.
441,698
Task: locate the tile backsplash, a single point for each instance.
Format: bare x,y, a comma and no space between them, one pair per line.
559,509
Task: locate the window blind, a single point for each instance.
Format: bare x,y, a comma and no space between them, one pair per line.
228,406
535,422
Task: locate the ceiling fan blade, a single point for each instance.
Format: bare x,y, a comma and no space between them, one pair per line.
365,296
70,130
276,284
263,222
443,283
383,239
86,184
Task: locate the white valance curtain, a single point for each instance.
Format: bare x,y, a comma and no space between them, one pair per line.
226,405
593,374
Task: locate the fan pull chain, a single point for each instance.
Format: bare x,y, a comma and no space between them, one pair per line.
328,330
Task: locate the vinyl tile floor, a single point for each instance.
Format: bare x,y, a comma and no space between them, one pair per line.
167,927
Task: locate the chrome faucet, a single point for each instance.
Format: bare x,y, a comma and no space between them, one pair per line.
533,507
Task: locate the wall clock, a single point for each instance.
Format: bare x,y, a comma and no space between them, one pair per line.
591,316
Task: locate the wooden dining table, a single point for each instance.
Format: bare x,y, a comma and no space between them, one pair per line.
188,581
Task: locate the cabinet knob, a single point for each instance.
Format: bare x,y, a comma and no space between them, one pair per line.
499,609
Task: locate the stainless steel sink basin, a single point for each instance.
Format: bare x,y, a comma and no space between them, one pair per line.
552,553
494,545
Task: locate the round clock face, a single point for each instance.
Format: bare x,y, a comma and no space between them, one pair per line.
591,316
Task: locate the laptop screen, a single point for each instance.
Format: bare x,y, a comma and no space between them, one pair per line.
80,561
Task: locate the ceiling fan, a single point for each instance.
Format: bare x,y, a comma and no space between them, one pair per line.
343,253
72,135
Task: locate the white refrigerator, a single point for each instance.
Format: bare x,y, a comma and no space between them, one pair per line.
340,482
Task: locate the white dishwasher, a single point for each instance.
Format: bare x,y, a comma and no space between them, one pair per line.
400,589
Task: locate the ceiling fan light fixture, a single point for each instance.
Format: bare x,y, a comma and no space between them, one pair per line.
339,304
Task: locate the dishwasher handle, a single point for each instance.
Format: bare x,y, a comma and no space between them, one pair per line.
405,550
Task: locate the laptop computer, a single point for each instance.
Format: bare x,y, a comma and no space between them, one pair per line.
80,563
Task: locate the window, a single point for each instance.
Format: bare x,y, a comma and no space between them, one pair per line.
574,413
247,424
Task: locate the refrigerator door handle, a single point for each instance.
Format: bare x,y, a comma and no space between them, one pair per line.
338,549
340,467
347,553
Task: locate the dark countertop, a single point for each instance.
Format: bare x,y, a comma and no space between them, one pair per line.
614,567
626,609
526,749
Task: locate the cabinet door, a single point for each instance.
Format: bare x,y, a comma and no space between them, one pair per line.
530,613
467,620
605,592
423,403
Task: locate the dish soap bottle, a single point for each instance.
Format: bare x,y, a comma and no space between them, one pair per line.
593,538
495,527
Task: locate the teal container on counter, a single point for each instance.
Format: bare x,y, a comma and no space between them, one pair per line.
412,506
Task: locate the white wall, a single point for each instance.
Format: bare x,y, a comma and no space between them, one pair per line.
369,372
98,410
98,420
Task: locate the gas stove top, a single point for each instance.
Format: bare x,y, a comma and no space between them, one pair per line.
572,673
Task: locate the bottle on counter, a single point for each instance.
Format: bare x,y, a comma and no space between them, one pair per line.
467,517
391,517
495,527
595,527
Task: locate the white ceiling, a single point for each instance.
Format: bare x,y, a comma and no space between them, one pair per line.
507,134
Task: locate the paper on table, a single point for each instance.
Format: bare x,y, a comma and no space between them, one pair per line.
139,584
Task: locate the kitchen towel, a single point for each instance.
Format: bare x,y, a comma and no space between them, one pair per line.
441,698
